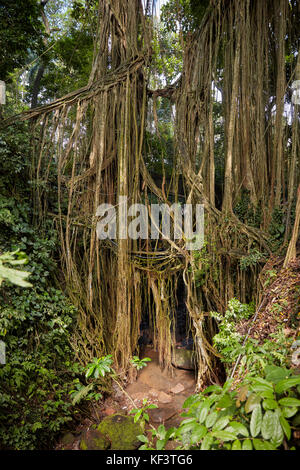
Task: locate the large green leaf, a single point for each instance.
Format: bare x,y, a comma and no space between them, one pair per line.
190,401
198,433
207,442
225,402
286,427
14,276
202,411
221,423
256,421
289,401
188,427
285,384
239,428
252,402
211,419
236,445
224,435
247,445
261,385
81,393
268,424
275,374
262,445
277,436
270,404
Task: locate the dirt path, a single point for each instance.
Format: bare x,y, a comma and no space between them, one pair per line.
167,392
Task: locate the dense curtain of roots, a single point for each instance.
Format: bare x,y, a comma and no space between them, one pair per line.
94,139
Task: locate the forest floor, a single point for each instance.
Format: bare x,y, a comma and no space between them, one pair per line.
168,392
280,307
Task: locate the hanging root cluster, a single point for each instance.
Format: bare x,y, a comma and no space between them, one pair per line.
93,141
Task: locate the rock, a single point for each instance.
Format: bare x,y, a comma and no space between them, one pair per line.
173,445
109,411
161,415
93,439
177,389
164,398
153,378
153,393
122,432
183,359
67,439
138,396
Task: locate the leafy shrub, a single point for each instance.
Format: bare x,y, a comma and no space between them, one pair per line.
254,356
36,325
259,415
39,373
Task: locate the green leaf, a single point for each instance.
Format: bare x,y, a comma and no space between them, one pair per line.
90,371
82,393
252,402
142,438
239,428
188,420
212,388
268,424
207,442
152,406
37,425
160,444
224,435
188,427
275,374
202,411
270,404
266,394
284,385
190,401
286,427
256,421
211,419
288,412
262,445
225,402
277,436
137,415
289,401
14,276
247,445
261,385
221,423
236,445
198,434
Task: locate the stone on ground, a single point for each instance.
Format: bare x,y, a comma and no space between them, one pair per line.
161,415
92,439
177,389
164,397
122,432
67,439
183,359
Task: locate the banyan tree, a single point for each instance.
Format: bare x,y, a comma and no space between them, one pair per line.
243,57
